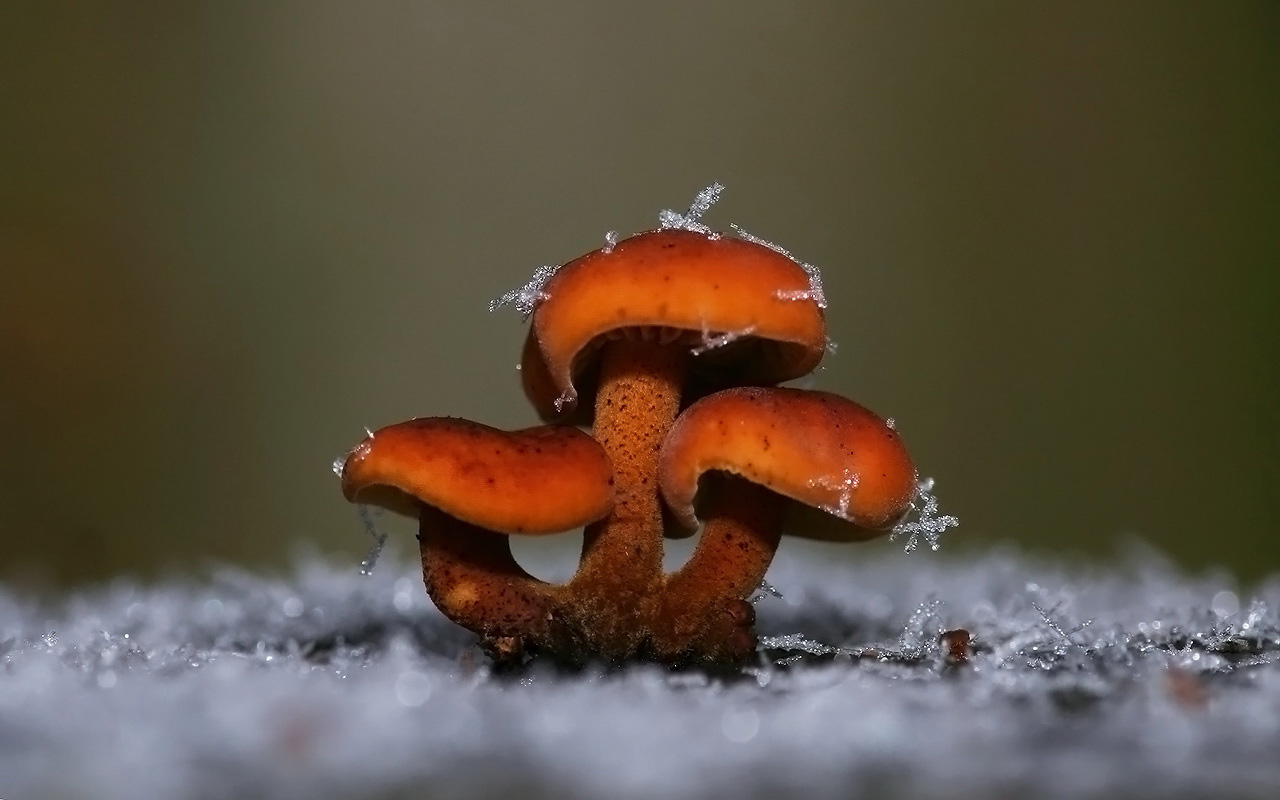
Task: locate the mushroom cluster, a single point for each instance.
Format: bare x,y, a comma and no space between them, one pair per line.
668,346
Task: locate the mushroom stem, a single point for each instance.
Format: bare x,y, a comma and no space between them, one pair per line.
474,580
636,403
741,534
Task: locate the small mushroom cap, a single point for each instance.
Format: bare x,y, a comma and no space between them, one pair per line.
678,286
815,447
534,481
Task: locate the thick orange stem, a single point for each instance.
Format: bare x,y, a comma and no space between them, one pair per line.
621,569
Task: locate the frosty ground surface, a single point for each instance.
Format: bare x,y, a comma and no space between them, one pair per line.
328,684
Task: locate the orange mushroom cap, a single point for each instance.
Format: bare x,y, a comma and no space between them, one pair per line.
534,481
817,448
676,285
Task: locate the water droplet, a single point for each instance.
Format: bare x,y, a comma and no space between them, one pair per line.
1225,604
292,607
403,598
412,688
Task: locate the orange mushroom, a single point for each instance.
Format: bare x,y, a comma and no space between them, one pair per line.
742,313
818,448
640,327
624,338
770,446
470,485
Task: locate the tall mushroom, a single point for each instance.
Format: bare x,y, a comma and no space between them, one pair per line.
639,327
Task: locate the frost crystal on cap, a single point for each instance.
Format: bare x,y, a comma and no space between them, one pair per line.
689,221
711,342
845,485
815,292
526,298
379,539
930,524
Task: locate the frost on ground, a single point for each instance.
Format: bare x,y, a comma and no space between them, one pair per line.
1125,681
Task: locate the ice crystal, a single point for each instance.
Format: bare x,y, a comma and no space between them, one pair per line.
713,341
1055,623
323,684
815,275
367,516
844,485
800,646
765,589
919,636
928,524
691,219
794,294
525,299
566,399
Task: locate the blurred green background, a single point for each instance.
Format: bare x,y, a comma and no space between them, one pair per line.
234,234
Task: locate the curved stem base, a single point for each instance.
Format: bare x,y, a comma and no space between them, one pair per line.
697,615
474,580
705,613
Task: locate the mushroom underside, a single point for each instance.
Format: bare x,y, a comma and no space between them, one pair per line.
719,359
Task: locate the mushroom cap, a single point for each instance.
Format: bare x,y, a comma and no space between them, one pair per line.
534,481
680,286
818,448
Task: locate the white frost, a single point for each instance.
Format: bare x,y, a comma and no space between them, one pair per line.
525,299
712,342
765,589
928,524
845,485
795,294
1058,626
691,219
379,538
815,275
566,399
919,637
207,686
796,641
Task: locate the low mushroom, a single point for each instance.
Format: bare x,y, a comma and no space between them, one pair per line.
471,486
767,448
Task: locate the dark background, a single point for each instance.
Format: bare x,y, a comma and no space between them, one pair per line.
233,234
